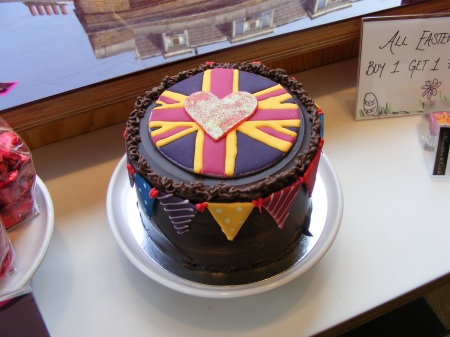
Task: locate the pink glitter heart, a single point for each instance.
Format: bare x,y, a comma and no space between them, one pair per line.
218,116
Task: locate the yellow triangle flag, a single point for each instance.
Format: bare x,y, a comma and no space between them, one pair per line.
230,217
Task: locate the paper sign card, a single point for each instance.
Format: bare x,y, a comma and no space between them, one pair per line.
404,65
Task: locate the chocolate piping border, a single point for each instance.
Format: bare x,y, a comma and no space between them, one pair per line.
197,191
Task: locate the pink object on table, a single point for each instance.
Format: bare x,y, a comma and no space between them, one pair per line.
6,87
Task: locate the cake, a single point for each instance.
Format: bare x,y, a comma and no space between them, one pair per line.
224,159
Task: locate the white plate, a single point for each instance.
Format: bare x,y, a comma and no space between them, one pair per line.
30,240
325,221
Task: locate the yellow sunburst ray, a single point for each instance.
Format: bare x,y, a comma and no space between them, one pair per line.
168,126
251,129
179,98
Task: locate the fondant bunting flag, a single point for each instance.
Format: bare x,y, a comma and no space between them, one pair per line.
279,204
143,189
320,113
230,217
310,174
180,211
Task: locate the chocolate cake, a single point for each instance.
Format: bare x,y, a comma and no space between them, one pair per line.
224,159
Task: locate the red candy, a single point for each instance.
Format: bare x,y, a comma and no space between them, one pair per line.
17,179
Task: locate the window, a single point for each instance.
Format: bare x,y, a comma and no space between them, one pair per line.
257,24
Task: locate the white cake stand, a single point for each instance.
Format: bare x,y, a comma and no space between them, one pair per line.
125,223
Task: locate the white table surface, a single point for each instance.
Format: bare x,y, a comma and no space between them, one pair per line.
394,236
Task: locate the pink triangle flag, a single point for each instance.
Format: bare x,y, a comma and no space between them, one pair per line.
279,204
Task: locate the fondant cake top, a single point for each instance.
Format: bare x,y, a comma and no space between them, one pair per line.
225,123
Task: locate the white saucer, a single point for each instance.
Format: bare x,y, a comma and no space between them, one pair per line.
325,222
30,240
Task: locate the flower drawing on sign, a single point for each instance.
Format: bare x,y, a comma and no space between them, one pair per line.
430,88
